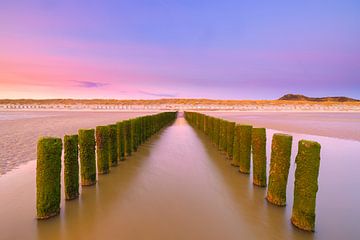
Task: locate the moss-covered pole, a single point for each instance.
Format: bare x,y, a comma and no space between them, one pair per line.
71,166
87,156
236,147
210,128
245,132
205,125
138,131
230,139
258,143
143,127
128,138
113,155
134,137
146,128
102,149
216,131
279,168
120,139
306,185
225,138
222,135
48,170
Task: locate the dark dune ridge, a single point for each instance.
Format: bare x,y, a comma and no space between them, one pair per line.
299,97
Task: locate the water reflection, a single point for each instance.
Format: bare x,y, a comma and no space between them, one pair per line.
80,217
178,186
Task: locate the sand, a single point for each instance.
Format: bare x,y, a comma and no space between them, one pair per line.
20,131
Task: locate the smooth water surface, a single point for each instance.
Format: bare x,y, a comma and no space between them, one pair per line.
178,186
20,131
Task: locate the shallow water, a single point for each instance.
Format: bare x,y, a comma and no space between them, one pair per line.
178,186
345,125
7,115
20,131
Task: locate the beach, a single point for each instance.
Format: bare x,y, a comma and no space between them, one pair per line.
178,186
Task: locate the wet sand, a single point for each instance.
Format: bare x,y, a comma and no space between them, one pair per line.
20,131
338,125
178,186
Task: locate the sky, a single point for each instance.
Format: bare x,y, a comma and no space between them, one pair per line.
150,49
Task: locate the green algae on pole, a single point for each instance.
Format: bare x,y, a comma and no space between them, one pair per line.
222,135
216,133
133,134
306,185
230,138
236,147
209,127
113,155
48,170
87,156
138,131
258,143
279,168
244,148
102,149
128,138
71,167
225,133
120,139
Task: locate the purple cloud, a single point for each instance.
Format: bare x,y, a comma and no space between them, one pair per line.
157,94
89,84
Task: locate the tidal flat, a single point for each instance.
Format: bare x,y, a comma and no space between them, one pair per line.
178,185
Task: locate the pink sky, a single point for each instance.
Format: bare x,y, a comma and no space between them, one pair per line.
135,50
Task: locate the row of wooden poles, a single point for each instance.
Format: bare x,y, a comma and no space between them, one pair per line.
96,150
242,143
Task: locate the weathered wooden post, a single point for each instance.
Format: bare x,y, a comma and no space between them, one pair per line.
222,135
236,147
71,166
87,156
230,139
216,131
279,168
113,156
205,122
133,134
245,148
142,130
138,131
128,138
48,170
147,127
120,139
306,185
259,156
102,149
210,128
225,132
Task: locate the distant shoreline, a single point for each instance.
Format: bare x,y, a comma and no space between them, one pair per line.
269,106
287,103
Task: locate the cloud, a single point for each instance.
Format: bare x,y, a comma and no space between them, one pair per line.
89,84
157,94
